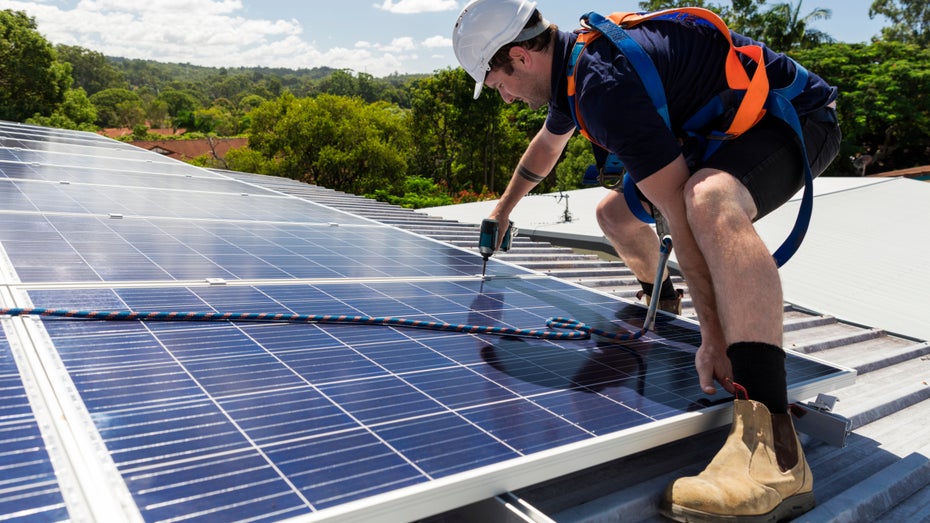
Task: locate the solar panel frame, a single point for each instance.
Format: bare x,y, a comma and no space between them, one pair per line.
29,487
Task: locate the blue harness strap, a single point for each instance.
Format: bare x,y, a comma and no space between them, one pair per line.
778,104
642,64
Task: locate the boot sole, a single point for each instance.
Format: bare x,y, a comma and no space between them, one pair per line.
787,509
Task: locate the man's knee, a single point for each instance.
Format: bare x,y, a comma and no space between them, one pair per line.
713,196
613,214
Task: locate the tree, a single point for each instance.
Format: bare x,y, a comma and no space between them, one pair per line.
181,106
250,102
32,79
90,69
461,142
657,5
784,28
333,141
129,113
340,83
781,26
910,20
76,112
156,112
117,107
571,169
179,101
883,105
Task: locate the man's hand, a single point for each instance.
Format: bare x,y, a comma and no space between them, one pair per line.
712,364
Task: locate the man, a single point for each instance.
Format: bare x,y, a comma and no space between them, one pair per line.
710,205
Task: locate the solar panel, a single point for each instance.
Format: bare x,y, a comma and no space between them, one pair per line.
263,420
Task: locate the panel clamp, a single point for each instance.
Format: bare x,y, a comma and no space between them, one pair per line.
816,420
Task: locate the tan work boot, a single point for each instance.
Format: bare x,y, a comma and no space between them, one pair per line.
746,482
672,305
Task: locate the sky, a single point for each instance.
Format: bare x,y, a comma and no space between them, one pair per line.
377,37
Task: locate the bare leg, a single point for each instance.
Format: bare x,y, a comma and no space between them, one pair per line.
635,242
747,288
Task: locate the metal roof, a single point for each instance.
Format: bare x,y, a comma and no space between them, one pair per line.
854,297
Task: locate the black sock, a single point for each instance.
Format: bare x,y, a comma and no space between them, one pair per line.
760,369
666,292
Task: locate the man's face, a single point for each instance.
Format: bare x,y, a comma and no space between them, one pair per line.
522,84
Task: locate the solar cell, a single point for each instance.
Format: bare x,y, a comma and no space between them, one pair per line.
262,420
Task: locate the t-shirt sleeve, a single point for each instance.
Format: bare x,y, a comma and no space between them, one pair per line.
620,115
558,122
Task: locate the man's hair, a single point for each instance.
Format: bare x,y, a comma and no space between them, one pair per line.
502,59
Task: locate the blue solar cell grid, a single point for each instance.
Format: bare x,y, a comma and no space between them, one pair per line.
29,490
118,174
287,419
82,248
18,136
135,201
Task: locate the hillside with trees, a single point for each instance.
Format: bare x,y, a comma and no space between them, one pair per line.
420,139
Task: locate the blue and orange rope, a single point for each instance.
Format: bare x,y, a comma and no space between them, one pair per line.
569,329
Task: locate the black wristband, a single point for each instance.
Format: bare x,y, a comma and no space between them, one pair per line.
529,175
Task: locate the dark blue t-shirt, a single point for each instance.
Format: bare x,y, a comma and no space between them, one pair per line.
690,59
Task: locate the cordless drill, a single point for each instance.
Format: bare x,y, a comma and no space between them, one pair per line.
487,241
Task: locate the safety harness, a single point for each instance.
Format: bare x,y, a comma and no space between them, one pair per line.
752,93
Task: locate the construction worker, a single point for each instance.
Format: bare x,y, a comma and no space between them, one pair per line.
710,202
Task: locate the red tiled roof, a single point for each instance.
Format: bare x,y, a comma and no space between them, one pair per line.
189,149
117,132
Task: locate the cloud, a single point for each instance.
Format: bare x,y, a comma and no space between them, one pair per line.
398,45
437,41
217,33
408,7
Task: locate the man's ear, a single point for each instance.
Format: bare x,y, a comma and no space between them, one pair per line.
520,55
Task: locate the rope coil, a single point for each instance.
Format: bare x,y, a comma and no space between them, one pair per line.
563,328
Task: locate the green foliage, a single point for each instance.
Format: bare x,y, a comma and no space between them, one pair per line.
781,26
333,141
416,193
140,132
248,160
884,100
784,27
250,102
578,156
156,113
910,20
179,102
460,142
118,107
90,69
76,112
32,80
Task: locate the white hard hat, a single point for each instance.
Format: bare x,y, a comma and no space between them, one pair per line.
484,26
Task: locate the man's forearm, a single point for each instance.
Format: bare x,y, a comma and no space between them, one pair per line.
700,284
536,163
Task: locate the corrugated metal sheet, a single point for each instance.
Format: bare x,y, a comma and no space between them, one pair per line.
883,474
